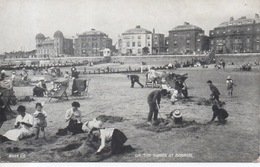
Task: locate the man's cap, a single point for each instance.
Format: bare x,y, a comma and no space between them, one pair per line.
209,81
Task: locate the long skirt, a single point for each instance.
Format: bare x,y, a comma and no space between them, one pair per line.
17,134
117,142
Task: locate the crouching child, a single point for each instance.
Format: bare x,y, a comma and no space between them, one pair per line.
219,113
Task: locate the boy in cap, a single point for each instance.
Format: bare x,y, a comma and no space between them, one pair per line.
214,91
154,99
230,84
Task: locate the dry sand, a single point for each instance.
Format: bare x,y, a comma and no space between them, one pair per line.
110,94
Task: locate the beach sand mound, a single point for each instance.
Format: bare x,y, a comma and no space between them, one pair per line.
110,119
166,125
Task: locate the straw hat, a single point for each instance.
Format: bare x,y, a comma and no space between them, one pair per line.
229,77
42,79
177,114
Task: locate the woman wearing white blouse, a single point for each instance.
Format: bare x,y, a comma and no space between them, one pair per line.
115,136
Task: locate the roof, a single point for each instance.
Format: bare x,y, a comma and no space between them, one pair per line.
186,26
93,32
58,34
240,21
40,36
137,30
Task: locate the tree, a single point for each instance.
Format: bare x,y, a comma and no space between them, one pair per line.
145,50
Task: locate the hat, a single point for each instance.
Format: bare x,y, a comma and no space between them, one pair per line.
209,81
229,77
176,113
163,80
88,126
23,69
42,79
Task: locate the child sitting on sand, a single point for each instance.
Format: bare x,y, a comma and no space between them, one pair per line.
39,120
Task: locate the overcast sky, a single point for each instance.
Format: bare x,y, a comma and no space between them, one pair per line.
22,20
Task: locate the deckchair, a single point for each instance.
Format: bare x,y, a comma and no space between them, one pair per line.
80,87
60,94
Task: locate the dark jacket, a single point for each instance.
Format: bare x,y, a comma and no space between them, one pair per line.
214,90
154,96
219,112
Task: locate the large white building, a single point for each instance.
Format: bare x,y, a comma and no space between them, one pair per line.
132,41
58,46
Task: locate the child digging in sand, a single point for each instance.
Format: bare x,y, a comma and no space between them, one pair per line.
39,120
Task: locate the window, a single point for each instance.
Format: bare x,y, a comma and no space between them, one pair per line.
133,37
133,44
175,42
83,51
212,42
128,44
212,33
148,43
148,37
248,29
139,51
188,41
139,37
198,40
248,40
139,43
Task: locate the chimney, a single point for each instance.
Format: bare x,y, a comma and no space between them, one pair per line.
138,26
153,31
231,19
243,17
92,29
186,23
256,16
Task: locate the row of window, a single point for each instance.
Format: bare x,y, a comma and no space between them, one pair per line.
128,44
235,40
138,37
229,30
237,47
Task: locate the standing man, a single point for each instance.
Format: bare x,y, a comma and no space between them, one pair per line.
154,99
134,78
214,91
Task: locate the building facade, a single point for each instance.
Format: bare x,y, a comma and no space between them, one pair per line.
135,41
158,43
91,43
187,39
56,47
236,36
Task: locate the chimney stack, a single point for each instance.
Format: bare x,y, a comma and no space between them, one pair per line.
231,19
256,16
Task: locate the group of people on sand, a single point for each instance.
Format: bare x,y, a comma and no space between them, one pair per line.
27,126
154,98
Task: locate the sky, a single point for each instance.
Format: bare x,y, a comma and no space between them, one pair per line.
22,20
